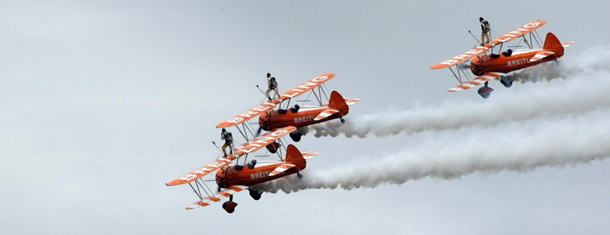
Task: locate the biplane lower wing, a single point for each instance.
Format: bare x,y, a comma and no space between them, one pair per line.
224,194
477,81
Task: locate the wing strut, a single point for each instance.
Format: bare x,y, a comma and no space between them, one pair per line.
459,78
196,191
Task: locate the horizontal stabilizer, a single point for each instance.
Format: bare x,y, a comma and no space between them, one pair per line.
567,44
541,55
224,194
477,81
281,168
309,155
350,102
326,113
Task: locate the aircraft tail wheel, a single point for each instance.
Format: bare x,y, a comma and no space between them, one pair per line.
342,120
485,92
229,206
295,136
506,84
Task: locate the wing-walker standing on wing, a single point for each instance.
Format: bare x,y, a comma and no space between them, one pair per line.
488,66
485,31
236,178
272,86
227,136
328,108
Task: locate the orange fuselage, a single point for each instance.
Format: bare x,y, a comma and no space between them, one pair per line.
518,60
229,175
304,117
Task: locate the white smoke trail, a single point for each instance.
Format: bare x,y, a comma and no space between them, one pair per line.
585,88
515,146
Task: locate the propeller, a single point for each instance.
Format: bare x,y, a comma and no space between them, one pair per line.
258,131
266,123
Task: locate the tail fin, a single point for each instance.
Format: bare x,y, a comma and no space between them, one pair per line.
337,102
294,156
551,43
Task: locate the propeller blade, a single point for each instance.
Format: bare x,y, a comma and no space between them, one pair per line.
258,131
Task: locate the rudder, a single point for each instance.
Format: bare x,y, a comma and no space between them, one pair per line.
551,43
337,102
294,156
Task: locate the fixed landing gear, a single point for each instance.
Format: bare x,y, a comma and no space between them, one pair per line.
296,136
485,91
255,194
230,205
506,82
299,175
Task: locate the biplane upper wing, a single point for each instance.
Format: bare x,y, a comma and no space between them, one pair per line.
518,32
307,86
252,113
266,139
251,146
477,81
462,57
203,171
224,194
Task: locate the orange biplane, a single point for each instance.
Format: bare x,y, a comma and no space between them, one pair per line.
494,66
296,116
237,178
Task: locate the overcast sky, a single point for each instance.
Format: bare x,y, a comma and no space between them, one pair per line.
103,102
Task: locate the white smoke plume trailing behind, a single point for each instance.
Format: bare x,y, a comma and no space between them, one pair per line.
585,87
515,146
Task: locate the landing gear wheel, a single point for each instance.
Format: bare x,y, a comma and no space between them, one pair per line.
273,147
229,206
255,194
506,83
342,120
485,91
295,136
